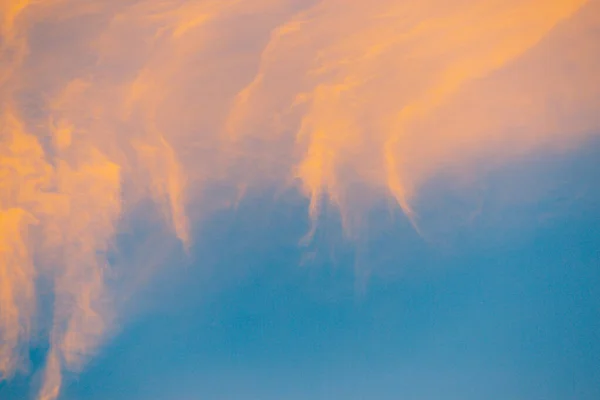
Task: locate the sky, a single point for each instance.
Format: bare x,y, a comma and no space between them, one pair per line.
299,199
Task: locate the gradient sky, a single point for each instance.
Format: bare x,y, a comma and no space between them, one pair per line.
299,199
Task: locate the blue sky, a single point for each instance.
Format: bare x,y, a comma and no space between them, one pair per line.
506,307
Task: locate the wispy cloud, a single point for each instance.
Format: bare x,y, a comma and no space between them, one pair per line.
106,104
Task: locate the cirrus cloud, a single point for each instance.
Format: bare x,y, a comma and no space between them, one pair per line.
107,104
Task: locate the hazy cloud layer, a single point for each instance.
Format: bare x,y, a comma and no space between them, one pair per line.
107,104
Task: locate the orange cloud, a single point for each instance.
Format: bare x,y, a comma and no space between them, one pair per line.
107,104
372,76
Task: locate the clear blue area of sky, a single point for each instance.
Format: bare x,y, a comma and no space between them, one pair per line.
504,306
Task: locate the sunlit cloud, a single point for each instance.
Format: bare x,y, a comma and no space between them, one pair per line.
104,105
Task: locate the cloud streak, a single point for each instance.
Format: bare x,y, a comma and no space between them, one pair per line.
105,105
